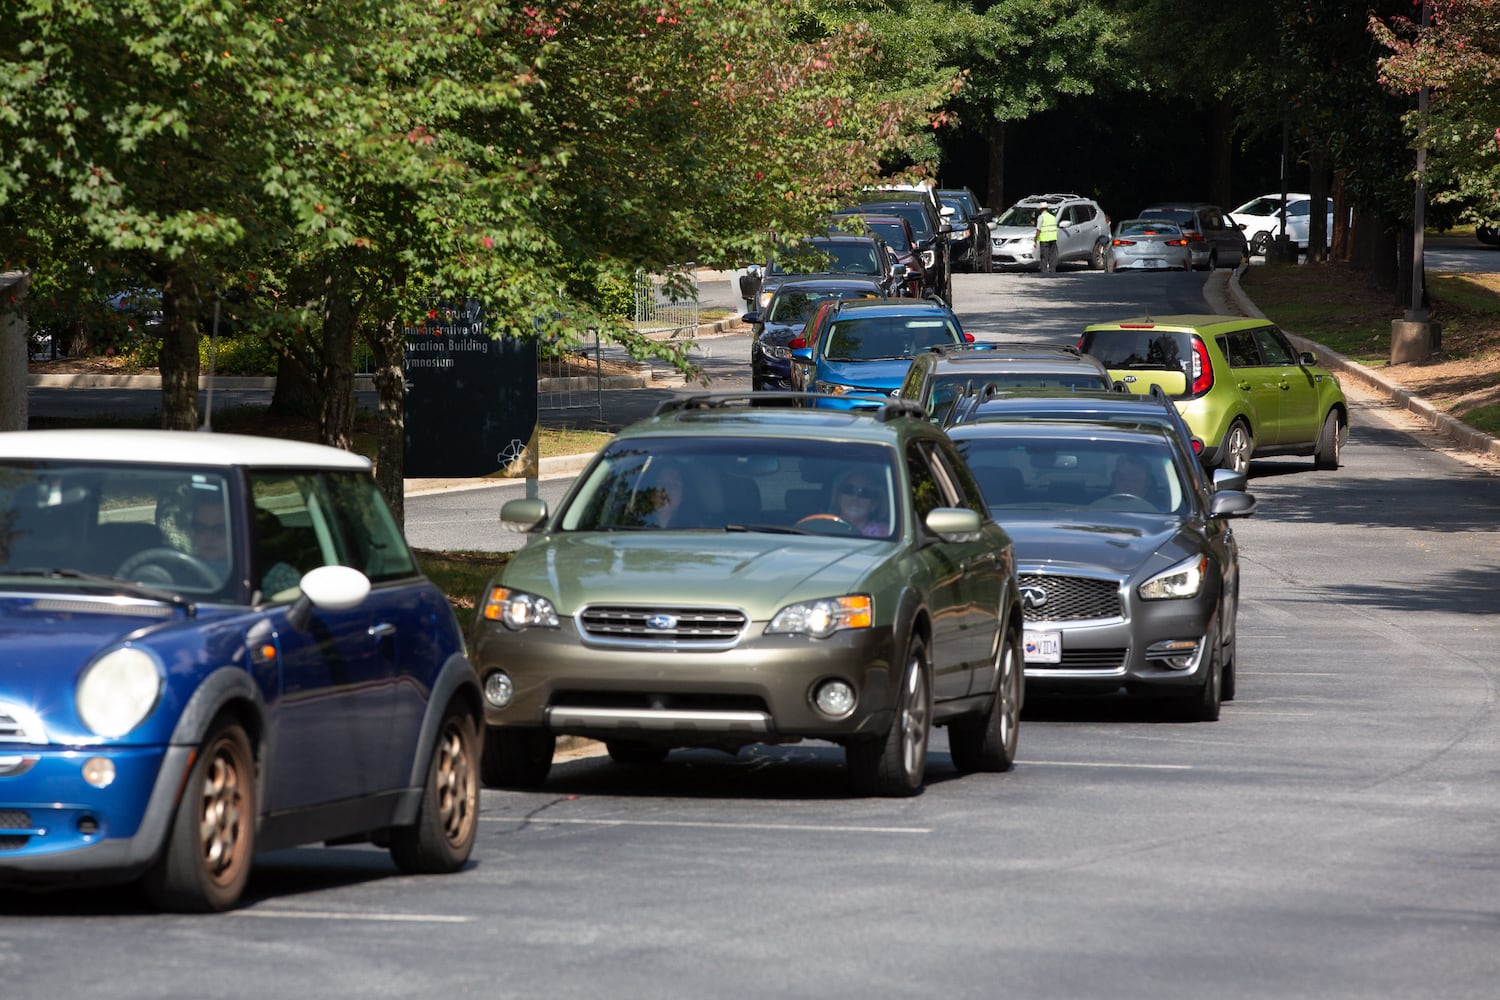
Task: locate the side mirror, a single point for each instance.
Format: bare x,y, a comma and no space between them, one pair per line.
526,513
952,523
751,317
1231,503
899,270
802,353
1307,359
986,214
330,588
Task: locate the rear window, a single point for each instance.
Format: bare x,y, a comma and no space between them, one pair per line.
1148,350
1180,216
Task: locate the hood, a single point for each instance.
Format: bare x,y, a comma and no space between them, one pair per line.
1010,232
1124,545
865,374
760,573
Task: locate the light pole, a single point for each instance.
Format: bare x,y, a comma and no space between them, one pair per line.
1416,337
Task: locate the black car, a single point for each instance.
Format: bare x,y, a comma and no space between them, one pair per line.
849,253
1213,237
792,303
971,247
1129,569
927,226
898,235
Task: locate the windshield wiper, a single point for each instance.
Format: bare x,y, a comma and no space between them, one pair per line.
122,587
770,529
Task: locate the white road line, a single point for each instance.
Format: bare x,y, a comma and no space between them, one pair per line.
712,826
388,918
1100,763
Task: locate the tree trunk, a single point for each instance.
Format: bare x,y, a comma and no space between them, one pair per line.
1341,243
1317,220
296,392
179,351
1373,248
77,342
14,351
1404,258
336,368
995,140
387,344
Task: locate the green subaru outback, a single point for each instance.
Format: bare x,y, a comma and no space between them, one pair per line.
745,569
1249,393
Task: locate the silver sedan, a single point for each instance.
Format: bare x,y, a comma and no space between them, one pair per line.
1148,244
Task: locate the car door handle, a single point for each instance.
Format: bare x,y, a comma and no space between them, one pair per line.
382,630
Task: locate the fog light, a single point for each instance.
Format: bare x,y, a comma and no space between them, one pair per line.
87,826
99,771
498,690
1176,654
834,698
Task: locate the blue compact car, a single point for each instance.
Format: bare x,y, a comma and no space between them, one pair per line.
792,305
865,347
216,645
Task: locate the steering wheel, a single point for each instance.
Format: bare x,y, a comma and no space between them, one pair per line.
163,561
845,528
1129,501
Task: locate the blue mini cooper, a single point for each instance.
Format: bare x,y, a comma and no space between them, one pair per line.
215,645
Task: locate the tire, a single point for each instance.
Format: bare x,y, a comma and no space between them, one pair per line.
895,764
442,838
1260,244
1237,447
205,862
628,752
1326,455
1096,257
1203,705
987,741
1226,683
516,757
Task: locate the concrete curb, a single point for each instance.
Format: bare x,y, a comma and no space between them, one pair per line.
1460,433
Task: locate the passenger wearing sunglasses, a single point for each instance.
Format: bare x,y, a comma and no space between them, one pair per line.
857,499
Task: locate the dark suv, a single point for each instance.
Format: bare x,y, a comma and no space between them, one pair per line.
865,255
942,376
927,226
743,569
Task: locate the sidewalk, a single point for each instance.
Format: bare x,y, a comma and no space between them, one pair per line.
1223,291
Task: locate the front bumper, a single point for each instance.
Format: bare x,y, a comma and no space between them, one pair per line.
761,690
56,828
1126,652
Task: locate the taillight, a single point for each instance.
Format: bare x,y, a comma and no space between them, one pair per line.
1195,237
1123,243
1203,369
1177,243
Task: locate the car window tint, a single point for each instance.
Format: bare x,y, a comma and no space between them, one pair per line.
1299,208
926,492
1274,347
1144,349
883,337
1240,349
375,544
893,234
291,533
1184,219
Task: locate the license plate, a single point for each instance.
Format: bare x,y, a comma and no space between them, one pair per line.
1043,647
1154,262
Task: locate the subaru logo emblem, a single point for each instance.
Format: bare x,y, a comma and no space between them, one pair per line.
1033,598
660,623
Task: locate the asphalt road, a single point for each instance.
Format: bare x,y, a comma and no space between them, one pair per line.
1332,836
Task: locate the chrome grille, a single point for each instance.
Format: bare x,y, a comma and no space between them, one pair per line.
18,725
698,627
1104,660
1069,598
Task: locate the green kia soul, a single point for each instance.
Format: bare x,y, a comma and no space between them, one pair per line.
1238,382
741,570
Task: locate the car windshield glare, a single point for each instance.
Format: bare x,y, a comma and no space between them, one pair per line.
1019,215
878,338
737,484
1047,474
170,529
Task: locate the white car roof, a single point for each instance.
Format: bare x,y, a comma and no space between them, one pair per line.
157,447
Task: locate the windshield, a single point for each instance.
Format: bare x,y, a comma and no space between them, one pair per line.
893,233
1020,215
169,529
880,338
797,306
834,258
1048,473
738,484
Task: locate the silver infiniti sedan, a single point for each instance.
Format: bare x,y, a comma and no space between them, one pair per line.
1148,245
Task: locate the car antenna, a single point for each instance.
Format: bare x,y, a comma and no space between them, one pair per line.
213,354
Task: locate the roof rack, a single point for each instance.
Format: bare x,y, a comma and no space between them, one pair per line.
882,409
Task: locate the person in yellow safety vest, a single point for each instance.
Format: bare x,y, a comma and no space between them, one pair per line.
1046,239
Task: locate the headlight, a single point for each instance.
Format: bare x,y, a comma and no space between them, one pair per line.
1183,580
118,690
777,351
821,618
517,609
831,388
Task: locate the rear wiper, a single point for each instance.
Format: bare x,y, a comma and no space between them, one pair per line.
122,587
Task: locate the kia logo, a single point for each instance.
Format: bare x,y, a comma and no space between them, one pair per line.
1033,598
